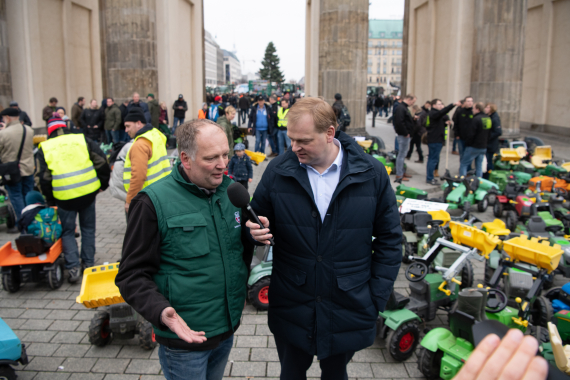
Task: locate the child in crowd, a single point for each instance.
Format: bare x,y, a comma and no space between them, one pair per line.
240,166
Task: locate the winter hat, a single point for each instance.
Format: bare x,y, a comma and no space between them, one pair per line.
13,112
135,114
34,197
239,146
54,123
151,95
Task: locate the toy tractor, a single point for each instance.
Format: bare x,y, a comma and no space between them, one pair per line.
502,177
260,278
429,292
7,213
118,319
512,159
12,352
411,192
508,199
460,191
389,161
33,261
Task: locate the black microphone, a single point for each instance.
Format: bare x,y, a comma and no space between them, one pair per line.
239,197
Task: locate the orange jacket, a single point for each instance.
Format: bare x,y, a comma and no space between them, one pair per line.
201,114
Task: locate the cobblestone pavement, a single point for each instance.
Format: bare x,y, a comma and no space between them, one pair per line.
54,327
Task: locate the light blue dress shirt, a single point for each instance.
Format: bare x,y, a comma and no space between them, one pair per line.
324,185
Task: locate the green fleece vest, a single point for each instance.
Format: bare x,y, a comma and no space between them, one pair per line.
202,272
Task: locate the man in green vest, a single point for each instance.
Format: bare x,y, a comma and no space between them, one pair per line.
72,169
186,256
282,137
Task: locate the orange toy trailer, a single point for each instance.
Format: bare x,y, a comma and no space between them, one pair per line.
31,262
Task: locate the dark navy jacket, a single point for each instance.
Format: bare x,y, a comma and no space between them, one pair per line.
329,278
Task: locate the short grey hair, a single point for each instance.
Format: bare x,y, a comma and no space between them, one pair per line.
187,134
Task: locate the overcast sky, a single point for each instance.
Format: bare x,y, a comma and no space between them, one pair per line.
250,25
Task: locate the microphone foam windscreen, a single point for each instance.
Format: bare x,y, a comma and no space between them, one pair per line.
238,195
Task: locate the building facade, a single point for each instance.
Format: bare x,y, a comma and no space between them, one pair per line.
220,73
509,52
232,68
385,52
211,59
100,48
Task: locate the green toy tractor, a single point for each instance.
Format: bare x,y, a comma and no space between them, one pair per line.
502,177
260,277
7,213
470,190
389,160
411,192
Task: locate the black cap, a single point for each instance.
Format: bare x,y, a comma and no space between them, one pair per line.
180,96
259,97
10,112
13,104
338,96
136,114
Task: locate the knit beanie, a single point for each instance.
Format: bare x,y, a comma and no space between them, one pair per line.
54,123
136,114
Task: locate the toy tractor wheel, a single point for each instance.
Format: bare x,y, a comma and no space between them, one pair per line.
258,294
7,373
99,331
483,204
512,219
467,275
498,209
11,218
430,363
402,342
11,280
541,311
147,340
406,250
55,276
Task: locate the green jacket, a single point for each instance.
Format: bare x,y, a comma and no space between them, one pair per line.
154,110
112,118
202,272
228,128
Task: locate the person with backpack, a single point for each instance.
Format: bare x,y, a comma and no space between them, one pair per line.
343,117
216,109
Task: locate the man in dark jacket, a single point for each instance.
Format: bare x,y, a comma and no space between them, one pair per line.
123,136
324,200
153,109
272,130
180,107
48,110
378,104
59,160
76,112
24,118
404,126
244,105
136,102
259,122
463,123
494,134
436,122
186,256
475,139
92,121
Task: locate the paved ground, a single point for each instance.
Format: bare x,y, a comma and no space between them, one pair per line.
54,327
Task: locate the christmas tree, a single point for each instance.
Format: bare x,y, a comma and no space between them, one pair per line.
270,70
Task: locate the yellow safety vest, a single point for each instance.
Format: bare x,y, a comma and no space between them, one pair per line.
158,165
282,122
73,174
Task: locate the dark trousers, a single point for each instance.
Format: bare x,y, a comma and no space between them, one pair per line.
490,165
244,183
241,116
17,194
295,363
417,142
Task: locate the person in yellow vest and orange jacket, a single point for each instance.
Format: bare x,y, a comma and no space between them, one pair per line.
72,169
146,161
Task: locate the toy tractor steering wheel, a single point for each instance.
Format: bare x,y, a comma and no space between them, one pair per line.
416,271
554,229
496,301
561,191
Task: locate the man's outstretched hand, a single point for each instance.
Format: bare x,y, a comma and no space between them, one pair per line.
512,358
177,325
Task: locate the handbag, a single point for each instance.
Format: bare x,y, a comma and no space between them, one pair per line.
10,171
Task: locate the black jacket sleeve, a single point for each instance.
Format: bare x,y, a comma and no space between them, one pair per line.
99,160
441,113
386,247
140,262
83,119
44,175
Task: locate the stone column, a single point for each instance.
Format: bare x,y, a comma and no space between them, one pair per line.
343,56
498,57
128,46
5,74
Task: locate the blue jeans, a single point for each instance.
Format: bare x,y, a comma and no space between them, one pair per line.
116,136
283,139
403,145
260,137
109,136
461,150
196,365
470,154
17,194
455,144
433,159
87,226
386,111
176,123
